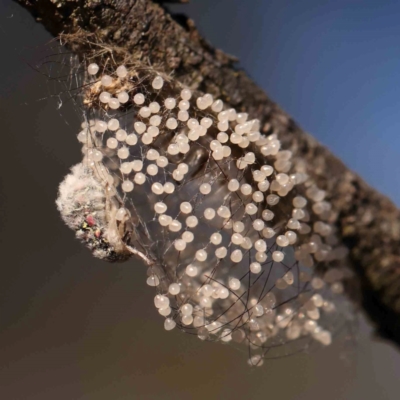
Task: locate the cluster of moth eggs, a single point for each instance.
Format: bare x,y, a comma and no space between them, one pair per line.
273,183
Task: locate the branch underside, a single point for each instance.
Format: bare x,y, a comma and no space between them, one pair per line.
142,30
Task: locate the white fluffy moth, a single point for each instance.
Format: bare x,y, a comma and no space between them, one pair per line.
239,242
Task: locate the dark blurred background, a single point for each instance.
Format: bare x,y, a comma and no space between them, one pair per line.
75,328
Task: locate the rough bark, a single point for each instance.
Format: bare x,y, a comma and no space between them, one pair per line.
368,221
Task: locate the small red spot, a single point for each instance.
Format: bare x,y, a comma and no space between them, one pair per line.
90,220
97,233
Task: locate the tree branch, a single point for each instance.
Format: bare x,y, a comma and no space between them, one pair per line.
369,223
